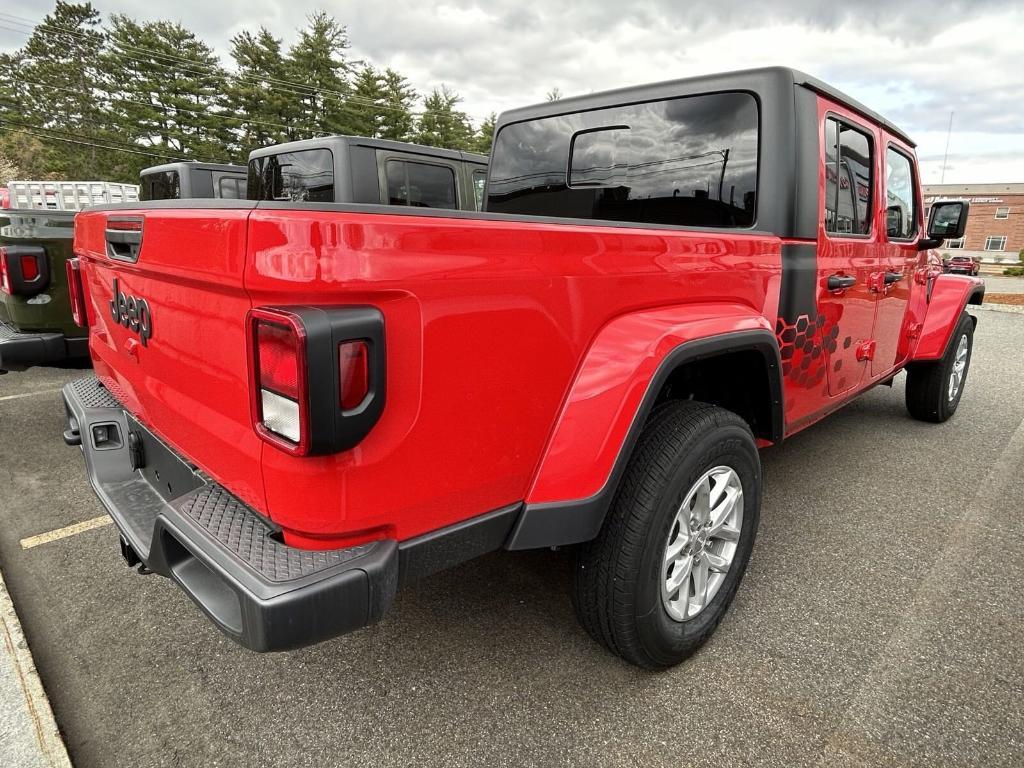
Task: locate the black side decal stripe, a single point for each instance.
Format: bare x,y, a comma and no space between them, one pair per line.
799,281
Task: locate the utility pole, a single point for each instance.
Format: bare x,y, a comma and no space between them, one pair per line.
945,155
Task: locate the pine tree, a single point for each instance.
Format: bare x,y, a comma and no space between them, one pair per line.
397,121
57,90
441,124
485,135
167,89
258,95
365,107
317,62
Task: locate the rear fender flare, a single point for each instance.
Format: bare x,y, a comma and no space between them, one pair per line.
614,391
948,295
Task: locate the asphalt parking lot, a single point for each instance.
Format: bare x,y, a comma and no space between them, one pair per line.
880,622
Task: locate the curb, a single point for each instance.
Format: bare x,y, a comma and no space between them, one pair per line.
1010,308
28,732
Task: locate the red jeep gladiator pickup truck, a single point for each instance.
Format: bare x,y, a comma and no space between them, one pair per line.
298,407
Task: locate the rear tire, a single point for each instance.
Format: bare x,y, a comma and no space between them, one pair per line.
690,457
934,389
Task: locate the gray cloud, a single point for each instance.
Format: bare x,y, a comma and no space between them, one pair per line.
914,61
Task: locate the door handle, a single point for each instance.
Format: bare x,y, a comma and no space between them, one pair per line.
841,282
893,277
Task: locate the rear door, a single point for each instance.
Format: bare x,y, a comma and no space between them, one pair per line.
849,247
900,254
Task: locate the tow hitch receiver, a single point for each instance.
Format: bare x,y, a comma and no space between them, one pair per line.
131,558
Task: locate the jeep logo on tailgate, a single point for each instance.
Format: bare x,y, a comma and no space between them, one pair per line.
133,313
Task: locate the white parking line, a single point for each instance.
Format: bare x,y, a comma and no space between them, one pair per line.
29,394
63,533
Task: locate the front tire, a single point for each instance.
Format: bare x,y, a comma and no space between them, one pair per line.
934,389
659,577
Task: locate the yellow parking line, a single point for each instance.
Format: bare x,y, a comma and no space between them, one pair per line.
29,394
63,533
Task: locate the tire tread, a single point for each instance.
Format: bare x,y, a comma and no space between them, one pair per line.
607,568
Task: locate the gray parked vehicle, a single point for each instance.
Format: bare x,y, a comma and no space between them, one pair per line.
351,169
182,181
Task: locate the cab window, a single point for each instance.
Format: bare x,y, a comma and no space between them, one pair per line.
303,176
900,200
689,161
421,185
231,188
848,179
163,185
479,182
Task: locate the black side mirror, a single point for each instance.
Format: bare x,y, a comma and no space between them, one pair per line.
947,221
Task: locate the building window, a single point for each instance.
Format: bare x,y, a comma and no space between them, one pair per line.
955,245
995,243
1003,212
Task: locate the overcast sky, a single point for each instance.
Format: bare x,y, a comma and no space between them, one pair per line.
914,61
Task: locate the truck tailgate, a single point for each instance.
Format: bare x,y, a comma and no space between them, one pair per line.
179,361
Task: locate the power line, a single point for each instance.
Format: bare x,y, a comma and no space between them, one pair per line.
38,135
307,90
207,69
127,146
218,115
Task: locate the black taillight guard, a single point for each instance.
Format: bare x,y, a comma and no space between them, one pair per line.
327,428
20,285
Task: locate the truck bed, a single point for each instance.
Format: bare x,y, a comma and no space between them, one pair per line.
487,318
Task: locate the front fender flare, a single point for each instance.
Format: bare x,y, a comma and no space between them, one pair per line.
608,404
948,296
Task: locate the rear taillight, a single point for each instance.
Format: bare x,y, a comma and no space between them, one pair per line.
24,270
353,373
317,374
29,268
76,293
5,278
279,362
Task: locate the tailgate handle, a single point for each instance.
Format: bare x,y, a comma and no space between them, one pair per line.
124,237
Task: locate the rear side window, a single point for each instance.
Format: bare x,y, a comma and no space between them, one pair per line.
303,176
689,161
479,183
848,179
231,188
421,185
165,185
900,200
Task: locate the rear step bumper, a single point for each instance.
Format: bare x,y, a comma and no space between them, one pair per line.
20,350
179,523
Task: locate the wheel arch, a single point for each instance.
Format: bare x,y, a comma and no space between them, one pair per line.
579,514
948,296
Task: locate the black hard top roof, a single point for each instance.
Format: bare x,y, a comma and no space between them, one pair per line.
193,164
746,79
363,141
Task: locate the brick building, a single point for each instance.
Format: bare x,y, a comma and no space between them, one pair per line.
995,224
